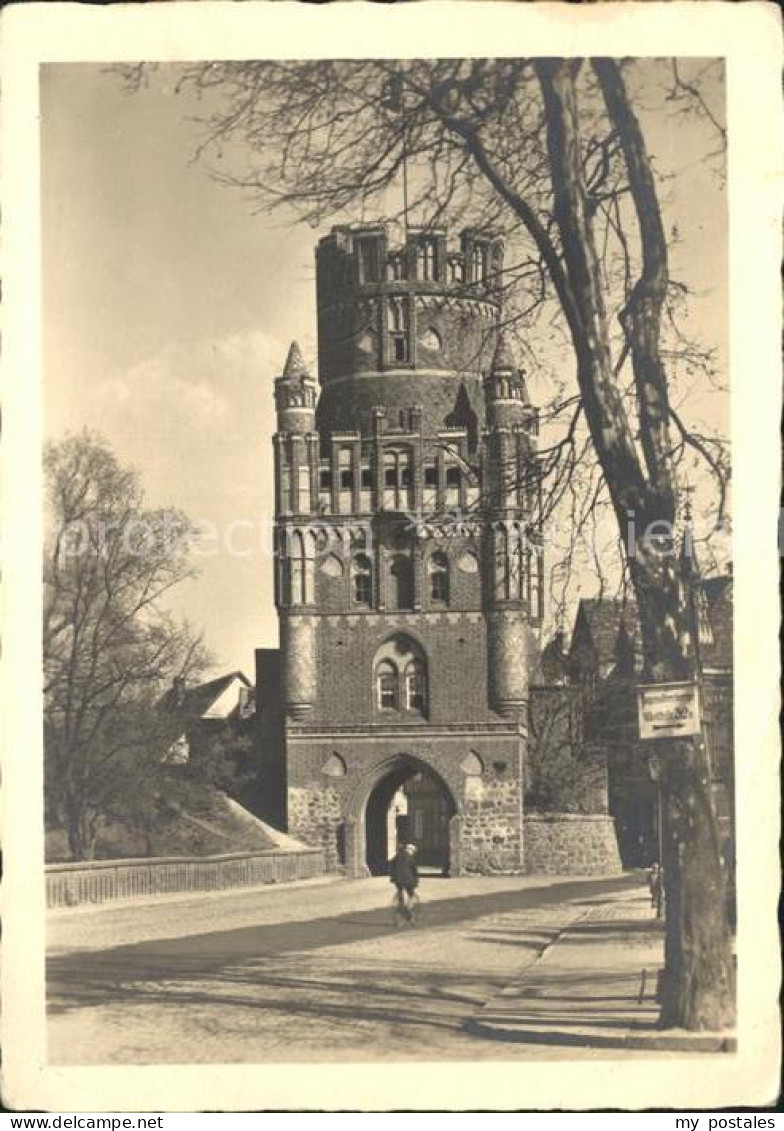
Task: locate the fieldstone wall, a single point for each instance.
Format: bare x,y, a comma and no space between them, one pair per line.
565,844
314,816
489,833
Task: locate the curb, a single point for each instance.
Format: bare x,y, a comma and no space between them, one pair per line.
587,1038
490,1022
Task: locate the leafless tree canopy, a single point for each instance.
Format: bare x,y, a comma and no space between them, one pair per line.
109,646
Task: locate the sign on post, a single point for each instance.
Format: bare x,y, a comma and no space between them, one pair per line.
668,710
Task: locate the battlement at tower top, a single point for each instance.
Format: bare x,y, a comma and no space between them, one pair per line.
361,257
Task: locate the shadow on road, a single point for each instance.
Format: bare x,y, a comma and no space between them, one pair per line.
277,990
124,972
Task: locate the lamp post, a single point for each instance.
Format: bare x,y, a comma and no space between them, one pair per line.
655,771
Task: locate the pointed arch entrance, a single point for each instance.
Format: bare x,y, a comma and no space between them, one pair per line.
403,798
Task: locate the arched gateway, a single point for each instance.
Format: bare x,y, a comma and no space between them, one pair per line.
400,799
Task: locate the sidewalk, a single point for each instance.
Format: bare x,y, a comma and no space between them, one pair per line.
594,986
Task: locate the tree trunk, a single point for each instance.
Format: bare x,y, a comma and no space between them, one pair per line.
698,986
82,828
697,989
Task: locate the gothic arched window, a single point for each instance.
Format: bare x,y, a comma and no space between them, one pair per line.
402,575
301,568
397,478
369,260
363,580
452,485
479,263
517,583
387,696
398,330
345,480
400,676
438,568
395,267
535,583
415,686
426,260
390,478
303,489
500,563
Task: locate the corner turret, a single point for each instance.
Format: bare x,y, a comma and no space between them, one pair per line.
295,395
514,592
296,441
506,395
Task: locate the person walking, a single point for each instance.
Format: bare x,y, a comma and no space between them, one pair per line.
404,874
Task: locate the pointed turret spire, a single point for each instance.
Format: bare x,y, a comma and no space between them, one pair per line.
503,358
295,394
691,573
690,566
506,379
295,366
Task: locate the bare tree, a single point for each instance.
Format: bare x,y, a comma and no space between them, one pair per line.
109,645
553,152
561,774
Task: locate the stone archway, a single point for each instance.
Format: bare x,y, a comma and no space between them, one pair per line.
368,839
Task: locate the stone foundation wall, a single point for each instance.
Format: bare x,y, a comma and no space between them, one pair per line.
489,831
563,844
314,817
484,837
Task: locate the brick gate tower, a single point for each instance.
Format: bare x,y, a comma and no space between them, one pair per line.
408,577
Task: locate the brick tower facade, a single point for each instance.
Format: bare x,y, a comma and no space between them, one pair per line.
408,576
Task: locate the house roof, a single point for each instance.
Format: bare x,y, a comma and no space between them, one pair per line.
602,619
598,624
554,657
197,700
715,588
718,597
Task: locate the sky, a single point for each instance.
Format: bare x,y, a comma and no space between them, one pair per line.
169,306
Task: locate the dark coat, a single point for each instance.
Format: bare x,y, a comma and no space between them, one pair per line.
403,871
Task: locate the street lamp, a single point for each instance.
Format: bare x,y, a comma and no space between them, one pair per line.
655,768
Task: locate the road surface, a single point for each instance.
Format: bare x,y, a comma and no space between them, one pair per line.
314,971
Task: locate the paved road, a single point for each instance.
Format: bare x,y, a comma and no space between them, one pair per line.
312,971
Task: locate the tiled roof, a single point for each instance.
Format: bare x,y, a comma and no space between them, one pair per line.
197,700
604,618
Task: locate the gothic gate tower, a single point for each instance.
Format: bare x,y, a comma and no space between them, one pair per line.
408,576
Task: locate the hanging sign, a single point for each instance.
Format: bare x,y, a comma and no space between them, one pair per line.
668,710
